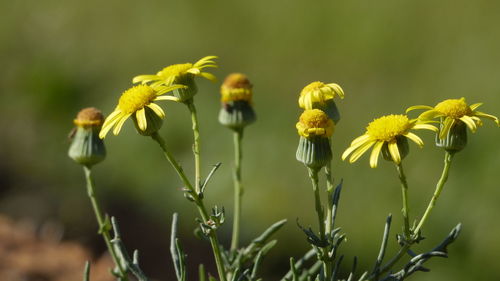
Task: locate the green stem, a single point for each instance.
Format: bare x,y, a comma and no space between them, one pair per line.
238,187
406,207
196,147
214,241
329,191
103,225
448,157
439,187
313,174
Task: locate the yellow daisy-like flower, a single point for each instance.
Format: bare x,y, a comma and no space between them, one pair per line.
453,111
319,92
173,73
314,122
385,132
236,87
135,101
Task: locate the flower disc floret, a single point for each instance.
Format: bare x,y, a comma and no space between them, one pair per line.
136,98
387,128
314,122
454,108
319,92
389,133
236,87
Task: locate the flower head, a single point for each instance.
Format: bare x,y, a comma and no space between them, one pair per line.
314,122
178,72
236,87
137,102
319,92
389,132
86,147
452,112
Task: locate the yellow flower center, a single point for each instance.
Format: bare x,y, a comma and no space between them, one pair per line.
136,98
314,122
89,116
236,87
175,70
387,128
454,108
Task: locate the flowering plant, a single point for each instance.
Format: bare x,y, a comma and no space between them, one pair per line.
387,135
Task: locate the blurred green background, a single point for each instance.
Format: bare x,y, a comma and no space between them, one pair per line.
59,56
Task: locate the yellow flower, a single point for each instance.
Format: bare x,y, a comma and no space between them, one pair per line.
173,73
314,122
385,132
135,101
236,87
453,111
319,92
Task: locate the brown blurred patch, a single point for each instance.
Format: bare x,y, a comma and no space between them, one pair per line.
26,255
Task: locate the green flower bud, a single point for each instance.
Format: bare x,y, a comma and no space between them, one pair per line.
236,98
86,147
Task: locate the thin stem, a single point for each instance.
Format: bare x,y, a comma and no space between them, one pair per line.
439,187
406,207
329,191
327,267
196,147
238,188
103,226
448,157
214,241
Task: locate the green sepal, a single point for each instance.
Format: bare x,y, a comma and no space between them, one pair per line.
154,122
236,114
315,152
455,140
86,147
185,94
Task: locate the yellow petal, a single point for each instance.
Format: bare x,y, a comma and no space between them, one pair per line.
430,114
375,153
415,138
425,126
448,123
109,123
209,76
157,109
418,107
141,119
145,78
469,122
354,145
476,105
172,98
119,124
362,149
489,116
359,139
394,151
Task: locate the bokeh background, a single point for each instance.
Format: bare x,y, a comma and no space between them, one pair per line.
59,56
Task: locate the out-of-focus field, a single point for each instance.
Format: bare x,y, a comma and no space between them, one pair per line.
59,56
